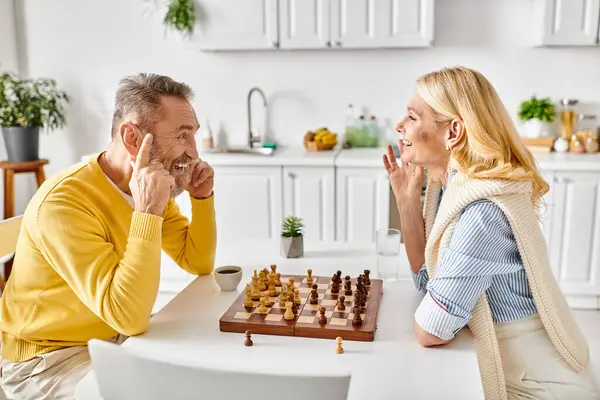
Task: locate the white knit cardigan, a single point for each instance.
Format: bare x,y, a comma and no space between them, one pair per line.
514,198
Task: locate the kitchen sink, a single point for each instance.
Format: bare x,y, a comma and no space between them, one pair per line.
259,151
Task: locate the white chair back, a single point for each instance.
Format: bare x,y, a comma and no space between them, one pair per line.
9,233
124,374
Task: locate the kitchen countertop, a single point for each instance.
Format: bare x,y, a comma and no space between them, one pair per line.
392,366
372,158
283,156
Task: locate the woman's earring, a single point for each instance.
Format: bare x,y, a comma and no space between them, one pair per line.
448,148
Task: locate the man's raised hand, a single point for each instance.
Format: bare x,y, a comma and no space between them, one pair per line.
150,184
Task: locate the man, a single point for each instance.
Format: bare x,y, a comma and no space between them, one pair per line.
88,259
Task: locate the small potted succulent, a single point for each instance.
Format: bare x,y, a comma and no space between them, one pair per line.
26,107
292,238
537,115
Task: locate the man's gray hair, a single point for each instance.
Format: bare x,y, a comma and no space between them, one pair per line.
141,94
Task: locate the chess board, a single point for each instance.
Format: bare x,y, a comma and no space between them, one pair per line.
306,323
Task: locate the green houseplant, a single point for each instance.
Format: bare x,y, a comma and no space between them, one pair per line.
26,107
537,115
181,16
292,237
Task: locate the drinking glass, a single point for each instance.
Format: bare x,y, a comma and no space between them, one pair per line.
388,251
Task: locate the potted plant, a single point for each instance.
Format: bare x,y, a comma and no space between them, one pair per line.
26,107
181,16
292,242
537,115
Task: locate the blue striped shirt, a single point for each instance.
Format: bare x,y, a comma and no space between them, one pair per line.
482,256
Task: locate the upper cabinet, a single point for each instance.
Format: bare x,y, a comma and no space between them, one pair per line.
304,24
380,24
566,23
316,24
238,24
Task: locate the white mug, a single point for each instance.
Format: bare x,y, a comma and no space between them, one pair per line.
228,277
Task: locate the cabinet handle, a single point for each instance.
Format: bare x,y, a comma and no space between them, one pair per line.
275,44
291,175
561,179
328,43
338,43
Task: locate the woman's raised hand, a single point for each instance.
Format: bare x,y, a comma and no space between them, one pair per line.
406,179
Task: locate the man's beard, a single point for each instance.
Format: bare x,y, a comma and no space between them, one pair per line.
182,176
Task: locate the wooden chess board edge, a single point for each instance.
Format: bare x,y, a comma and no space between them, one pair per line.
351,335
256,328
372,311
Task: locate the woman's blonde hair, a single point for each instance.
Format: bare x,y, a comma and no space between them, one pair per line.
491,147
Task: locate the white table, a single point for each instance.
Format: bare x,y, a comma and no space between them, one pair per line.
393,366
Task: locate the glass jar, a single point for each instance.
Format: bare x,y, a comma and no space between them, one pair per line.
568,117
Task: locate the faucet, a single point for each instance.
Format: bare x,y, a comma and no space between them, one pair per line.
253,139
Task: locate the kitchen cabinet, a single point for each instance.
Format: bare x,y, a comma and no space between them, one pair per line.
566,23
318,24
248,202
381,24
304,24
575,234
309,193
362,202
238,24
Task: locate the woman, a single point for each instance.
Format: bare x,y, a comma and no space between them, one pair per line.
476,249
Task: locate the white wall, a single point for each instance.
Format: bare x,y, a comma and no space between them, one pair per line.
8,41
8,58
88,45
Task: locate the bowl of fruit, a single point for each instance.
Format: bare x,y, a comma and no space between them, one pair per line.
320,140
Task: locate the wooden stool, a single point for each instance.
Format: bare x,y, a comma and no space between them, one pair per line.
10,169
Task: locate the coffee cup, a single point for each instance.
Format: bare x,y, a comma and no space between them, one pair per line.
228,277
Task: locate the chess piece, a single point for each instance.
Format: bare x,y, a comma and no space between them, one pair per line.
272,290
309,278
338,277
268,302
289,314
367,279
335,288
248,342
358,299
314,295
255,275
297,297
356,321
255,293
291,282
341,303
322,317
294,307
338,345
248,301
348,287
262,309
274,269
278,280
334,278
283,299
261,281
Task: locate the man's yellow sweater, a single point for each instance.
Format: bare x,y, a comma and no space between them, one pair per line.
88,266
